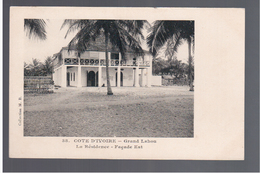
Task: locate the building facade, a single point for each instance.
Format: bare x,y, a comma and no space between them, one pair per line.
89,69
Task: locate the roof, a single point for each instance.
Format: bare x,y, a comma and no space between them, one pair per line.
99,45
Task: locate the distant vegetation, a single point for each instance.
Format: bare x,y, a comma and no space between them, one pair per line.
37,68
172,67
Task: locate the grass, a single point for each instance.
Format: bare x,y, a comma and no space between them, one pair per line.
130,112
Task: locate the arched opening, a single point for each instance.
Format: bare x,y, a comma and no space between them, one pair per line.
91,78
68,78
121,79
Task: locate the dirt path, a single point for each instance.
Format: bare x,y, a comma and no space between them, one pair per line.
82,105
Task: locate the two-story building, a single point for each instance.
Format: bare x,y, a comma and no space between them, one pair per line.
89,69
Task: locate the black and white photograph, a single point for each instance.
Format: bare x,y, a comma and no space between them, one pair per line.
127,83
109,78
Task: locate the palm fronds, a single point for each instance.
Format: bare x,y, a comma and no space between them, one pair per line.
171,33
162,31
35,28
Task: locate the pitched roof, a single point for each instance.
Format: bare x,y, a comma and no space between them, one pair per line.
99,45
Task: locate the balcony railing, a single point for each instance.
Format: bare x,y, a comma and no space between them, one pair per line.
71,61
94,62
102,62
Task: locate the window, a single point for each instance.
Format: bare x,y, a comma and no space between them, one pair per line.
114,55
70,76
74,76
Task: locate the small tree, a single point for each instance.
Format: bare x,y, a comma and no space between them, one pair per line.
26,68
35,67
159,65
48,66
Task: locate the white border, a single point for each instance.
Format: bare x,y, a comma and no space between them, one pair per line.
219,92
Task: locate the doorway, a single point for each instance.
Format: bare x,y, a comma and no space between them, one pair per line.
68,78
121,78
91,78
97,79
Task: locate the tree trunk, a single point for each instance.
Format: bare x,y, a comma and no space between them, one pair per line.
190,70
109,90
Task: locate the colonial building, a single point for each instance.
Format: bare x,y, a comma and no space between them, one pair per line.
89,68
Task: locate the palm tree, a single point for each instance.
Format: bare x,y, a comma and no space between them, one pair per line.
35,28
35,67
48,66
122,34
26,68
172,33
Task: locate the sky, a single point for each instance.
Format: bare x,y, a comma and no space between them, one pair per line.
41,49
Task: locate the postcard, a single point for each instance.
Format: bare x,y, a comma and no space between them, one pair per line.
127,83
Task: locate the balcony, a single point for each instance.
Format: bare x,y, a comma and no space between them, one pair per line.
102,62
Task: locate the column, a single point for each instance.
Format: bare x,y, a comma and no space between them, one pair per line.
63,76
118,76
55,71
148,76
100,76
79,76
137,77
142,77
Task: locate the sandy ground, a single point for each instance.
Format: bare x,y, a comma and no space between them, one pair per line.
130,112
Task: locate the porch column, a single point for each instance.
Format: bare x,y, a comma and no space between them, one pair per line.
118,76
142,77
79,76
148,77
63,76
137,77
100,76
